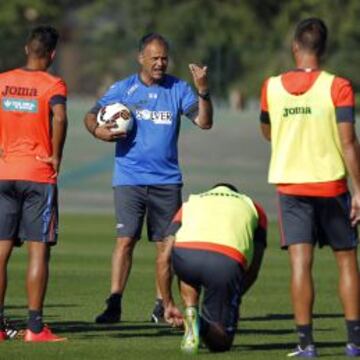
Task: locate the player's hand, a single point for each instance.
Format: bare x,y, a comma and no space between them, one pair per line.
173,316
355,209
105,133
53,161
199,75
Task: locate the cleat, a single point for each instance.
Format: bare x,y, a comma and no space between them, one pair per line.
308,352
352,350
9,329
191,339
157,315
45,335
3,335
110,315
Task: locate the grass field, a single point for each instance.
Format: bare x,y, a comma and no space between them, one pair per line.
80,281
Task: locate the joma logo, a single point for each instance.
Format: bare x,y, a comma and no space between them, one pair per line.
296,111
18,90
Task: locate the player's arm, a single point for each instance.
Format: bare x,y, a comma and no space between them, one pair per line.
265,126
260,241
172,314
102,132
266,131
60,124
204,118
164,275
343,98
57,103
351,150
59,130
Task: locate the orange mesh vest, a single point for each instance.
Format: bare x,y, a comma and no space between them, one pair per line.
25,123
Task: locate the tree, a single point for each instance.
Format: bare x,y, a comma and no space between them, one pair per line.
242,41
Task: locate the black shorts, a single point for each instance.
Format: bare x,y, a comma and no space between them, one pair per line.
28,211
322,220
158,202
219,276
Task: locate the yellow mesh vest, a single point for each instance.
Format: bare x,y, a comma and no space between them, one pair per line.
304,136
222,217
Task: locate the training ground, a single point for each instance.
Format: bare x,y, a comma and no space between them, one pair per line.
80,271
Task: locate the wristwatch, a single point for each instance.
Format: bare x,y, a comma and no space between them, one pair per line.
205,95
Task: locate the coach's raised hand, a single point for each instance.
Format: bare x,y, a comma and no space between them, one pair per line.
200,78
204,118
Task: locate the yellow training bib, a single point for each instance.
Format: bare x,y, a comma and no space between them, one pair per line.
304,135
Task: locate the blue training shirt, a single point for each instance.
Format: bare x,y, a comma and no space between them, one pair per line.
149,153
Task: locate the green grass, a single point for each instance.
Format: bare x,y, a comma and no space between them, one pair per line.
80,276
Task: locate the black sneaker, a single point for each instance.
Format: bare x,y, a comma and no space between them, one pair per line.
157,315
9,329
111,315
307,352
352,350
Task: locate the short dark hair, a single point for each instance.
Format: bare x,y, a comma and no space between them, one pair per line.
311,35
42,41
148,38
228,185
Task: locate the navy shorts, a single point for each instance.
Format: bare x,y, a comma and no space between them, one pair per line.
322,220
28,211
159,203
219,276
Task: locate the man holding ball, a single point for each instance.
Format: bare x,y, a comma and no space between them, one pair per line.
147,178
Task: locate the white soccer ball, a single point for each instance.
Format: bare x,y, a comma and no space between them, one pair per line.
118,115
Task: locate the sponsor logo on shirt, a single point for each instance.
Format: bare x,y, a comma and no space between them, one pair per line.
158,117
132,89
238,196
22,105
19,90
296,110
153,95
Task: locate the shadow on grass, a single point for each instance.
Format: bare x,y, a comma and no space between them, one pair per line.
277,317
257,331
286,346
24,307
121,330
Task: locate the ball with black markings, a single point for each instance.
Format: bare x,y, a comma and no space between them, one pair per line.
117,115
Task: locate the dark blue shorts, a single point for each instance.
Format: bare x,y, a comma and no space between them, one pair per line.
28,211
322,220
220,278
159,203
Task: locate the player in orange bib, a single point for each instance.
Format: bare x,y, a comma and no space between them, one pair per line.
308,115
33,126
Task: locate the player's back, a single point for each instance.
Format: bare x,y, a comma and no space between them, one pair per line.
25,123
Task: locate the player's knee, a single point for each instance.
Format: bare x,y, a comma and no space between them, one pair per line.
218,341
162,258
220,345
125,245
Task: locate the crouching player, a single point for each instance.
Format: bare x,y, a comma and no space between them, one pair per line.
216,243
